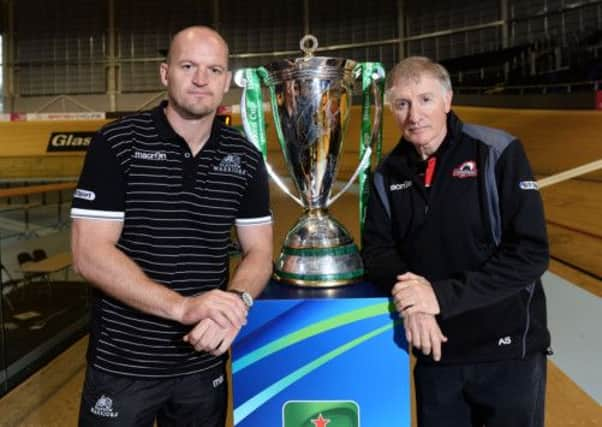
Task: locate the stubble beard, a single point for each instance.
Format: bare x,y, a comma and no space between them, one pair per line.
191,111
188,109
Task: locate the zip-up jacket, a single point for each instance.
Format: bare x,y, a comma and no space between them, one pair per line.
477,234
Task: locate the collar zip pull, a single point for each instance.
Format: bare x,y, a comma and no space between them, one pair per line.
430,171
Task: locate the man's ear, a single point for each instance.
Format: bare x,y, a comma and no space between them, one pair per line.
228,81
163,70
448,96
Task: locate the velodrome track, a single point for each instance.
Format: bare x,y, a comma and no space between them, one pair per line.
555,141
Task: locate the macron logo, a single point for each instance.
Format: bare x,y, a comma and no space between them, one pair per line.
150,155
402,186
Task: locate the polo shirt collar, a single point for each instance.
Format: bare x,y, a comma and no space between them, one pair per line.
166,132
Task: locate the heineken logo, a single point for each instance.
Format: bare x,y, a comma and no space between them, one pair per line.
321,413
320,421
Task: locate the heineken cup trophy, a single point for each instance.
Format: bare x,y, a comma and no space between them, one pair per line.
311,106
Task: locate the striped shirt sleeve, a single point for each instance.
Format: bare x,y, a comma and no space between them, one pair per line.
100,192
255,205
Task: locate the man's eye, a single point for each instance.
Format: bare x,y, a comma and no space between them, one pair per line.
400,105
187,66
217,70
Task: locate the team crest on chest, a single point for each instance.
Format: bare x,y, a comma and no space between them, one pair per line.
466,169
230,164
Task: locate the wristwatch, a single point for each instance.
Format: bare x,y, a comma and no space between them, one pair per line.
244,296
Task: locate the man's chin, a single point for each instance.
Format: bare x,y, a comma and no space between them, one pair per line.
418,140
195,112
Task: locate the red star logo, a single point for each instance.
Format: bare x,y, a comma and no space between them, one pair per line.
320,421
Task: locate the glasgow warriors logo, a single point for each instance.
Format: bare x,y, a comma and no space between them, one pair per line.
230,164
104,407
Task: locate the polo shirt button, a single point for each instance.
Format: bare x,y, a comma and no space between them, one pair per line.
187,155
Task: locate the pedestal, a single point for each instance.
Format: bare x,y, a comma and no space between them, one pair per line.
321,358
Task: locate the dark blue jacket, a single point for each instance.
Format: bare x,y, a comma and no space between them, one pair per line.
478,235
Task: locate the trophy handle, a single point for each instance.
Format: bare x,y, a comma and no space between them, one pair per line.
254,126
375,75
282,185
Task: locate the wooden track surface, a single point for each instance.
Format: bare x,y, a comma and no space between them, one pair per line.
42,166
23,148
575,225
35,189
23,138
576,277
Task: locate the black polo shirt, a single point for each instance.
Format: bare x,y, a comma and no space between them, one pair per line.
177,212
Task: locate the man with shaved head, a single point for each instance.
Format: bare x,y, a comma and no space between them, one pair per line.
158,196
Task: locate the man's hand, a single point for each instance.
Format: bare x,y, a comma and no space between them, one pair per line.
224,308
414,294
423,332
208,336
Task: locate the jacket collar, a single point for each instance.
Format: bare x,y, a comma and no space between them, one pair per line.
404,156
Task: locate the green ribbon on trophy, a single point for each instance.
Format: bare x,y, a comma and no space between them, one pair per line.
311,102
373,83
253,121
252,104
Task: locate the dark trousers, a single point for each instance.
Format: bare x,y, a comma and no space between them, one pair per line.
191,400
499,394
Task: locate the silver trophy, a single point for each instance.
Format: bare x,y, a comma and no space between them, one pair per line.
311,105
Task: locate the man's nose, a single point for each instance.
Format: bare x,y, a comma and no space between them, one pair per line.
413,114
200,77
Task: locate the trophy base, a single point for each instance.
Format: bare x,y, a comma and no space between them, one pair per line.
318,252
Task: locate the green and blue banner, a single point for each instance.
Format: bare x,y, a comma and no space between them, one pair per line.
321,362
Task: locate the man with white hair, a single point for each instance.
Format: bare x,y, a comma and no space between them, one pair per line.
455,231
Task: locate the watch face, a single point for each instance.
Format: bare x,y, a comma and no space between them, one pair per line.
247,298
244,296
